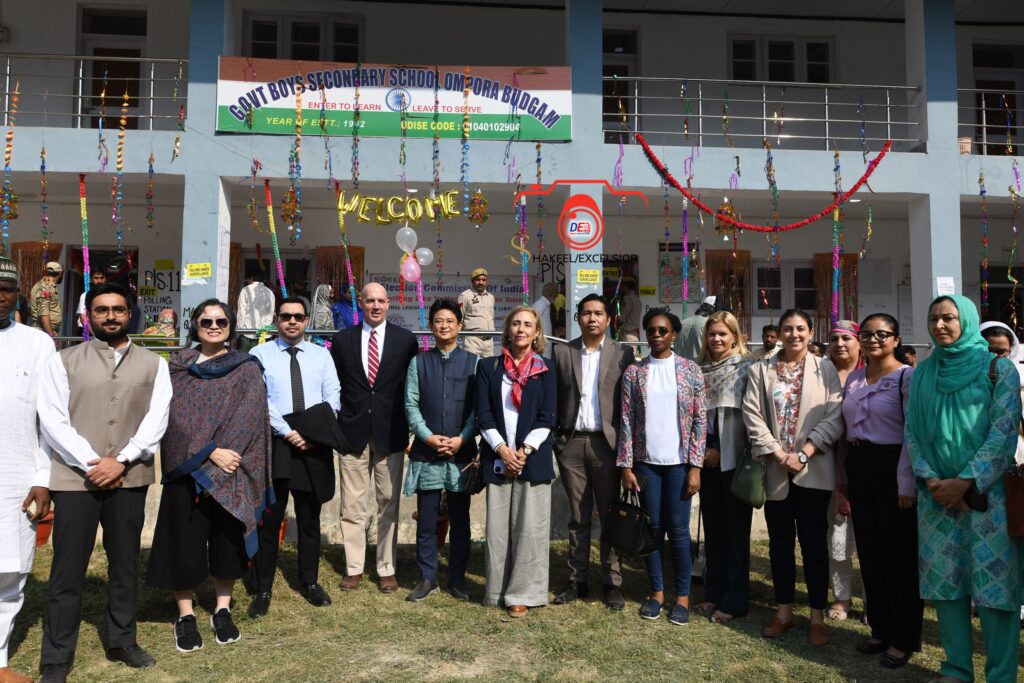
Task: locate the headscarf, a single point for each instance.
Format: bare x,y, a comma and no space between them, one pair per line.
950,394
726,381
531,366
323,318
1015,348
851,328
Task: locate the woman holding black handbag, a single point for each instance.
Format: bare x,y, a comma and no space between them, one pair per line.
723,358
662,441
793,412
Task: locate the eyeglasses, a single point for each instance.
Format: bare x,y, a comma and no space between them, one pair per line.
881,335
116,310
297,317
657,331
207,323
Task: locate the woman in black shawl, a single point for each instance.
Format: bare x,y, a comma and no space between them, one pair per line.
215,458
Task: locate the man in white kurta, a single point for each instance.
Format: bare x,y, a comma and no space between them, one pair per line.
24,457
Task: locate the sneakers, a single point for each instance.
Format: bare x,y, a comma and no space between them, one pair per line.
223,627
679,616
651,610
186,634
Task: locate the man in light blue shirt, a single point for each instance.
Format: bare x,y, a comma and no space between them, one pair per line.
299,375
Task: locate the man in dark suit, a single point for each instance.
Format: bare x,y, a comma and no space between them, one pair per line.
589,372
372,361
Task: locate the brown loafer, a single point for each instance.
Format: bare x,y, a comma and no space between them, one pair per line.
388,584
8,675
776,627
517,611
350,583
818,635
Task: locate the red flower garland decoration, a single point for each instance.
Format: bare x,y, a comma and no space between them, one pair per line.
664,172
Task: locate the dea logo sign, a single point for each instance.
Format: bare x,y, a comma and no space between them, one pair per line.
581,226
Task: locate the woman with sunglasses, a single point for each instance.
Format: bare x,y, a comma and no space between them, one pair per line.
882,494
844,352
215,457
793,414
661,452
962,420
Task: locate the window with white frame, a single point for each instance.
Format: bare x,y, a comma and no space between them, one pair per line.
305,37
781,58
789,285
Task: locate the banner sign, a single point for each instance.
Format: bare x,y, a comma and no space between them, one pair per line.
507,291
527,103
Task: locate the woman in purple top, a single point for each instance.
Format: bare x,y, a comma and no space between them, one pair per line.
882,493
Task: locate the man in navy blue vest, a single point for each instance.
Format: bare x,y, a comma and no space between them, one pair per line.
440,393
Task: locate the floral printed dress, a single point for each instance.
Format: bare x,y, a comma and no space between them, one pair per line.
786,396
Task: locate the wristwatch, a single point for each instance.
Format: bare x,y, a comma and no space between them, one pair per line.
802,457
528,450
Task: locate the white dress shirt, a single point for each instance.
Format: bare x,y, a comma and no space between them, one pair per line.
364,345
55,417
588,419
319,379
543,308
511,416
664,444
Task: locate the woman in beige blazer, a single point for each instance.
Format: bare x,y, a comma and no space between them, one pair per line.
793,413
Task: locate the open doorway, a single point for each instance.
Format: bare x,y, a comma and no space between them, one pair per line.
117,40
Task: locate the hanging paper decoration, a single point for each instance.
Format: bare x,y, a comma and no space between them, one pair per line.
837,226
464,166
540,207
478,213
1008,113
328,164
116,190
9,206
150,209
1013,257
723,227
273,235
867,235
86,270
666,266
344,247
863,130
773,187
176,147
104,153
686,254
44,209
725,118
984,244
779,117
436,162
293,197
667,175
356,123
252,206
424,339
686,119
523,253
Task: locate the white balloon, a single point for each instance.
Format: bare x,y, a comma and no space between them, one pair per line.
424,256
406,239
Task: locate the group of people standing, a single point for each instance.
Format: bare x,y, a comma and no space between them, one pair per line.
240,433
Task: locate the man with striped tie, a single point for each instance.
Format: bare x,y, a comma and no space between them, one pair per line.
372,361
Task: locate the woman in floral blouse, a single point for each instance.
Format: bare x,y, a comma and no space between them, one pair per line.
793,413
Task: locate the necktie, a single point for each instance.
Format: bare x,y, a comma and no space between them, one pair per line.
298,398
372,358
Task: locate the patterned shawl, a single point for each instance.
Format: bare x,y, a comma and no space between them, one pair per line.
726,381
531,366
221,403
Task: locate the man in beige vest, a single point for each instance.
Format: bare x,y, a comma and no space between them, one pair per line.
477,306
103,409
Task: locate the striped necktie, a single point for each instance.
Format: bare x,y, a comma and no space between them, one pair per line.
372,358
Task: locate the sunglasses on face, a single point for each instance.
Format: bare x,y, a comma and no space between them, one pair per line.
881,335
116,310
207,323
297,317
657,331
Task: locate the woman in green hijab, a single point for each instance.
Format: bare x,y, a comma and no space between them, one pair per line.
961,432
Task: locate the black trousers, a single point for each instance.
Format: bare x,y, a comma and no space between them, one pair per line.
726,543
887,545
802,514
307,518
428,505
122,513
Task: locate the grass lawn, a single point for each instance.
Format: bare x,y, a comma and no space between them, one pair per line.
369,636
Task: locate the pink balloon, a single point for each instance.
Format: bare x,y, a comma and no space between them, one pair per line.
411,270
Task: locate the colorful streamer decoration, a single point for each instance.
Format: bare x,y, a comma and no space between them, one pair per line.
44,209
150,209
984,244
436,162
686,120
837,227
725,118
252,206
863,130
773,187
667,175
478,213
294,194
328,164
356,122
116,190
9,208
273,235
523,238
686,255
779,117
424,339
344,247
666,266
464,166
540,207
1014,220
867,234
86,270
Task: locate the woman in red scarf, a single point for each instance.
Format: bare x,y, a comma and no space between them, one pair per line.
515,410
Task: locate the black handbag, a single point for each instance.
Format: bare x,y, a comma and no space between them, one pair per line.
474,477
628,528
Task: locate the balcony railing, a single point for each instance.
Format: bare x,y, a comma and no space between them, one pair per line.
721,113
988,120
69,91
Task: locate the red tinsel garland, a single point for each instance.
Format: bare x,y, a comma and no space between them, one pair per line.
664,172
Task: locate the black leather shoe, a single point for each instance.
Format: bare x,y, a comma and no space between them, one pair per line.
316,595
457,593
132,655
259,606
888,661
54,673
871,647
574,591
422,590
613,599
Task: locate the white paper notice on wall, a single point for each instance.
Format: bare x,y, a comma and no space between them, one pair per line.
945,285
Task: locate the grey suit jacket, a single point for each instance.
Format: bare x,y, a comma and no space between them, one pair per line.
568,360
